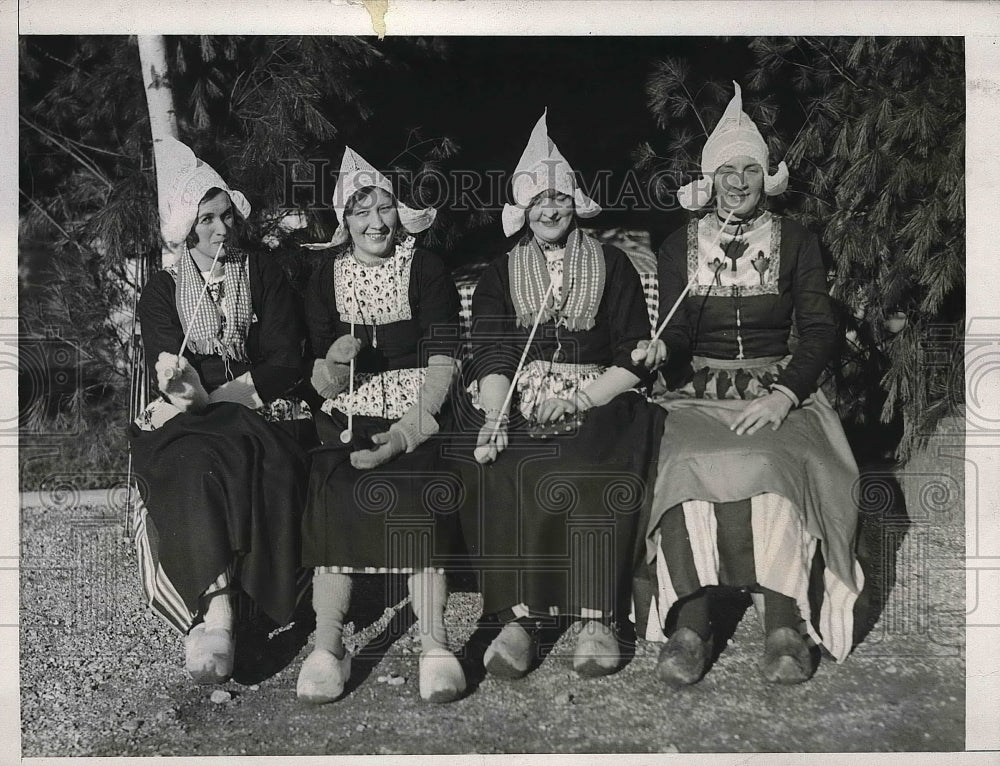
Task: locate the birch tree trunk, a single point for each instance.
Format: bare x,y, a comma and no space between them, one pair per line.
159,101
162,123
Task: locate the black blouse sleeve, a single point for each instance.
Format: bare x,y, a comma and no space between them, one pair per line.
814,320
434,296
277,367
627,311
495,347
158,320
321,310
274,342
672,277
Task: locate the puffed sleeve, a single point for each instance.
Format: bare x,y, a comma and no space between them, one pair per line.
671,272
814,320
437,305
627,311
493,329
321,310
280,329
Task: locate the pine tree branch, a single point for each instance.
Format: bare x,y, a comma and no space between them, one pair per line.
828,55
94,148
52,220
802,127
826,202
68,65
691,103
52,139
408,150
784,59
51,333
122,276
260,67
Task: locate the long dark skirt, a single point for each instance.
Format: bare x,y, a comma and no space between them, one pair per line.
223,486
555,526
399,517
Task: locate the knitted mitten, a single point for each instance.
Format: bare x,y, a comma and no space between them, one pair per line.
179,382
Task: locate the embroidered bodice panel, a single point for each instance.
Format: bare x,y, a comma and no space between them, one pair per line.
747,264
374,294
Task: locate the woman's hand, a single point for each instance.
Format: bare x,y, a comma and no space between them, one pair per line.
179,382
650,354
553,409
492,439
239,391
390,444
772,409
330,378
344,349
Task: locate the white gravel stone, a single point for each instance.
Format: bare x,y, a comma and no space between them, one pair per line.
219,696
397,681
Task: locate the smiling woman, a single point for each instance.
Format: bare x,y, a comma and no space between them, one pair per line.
741,187
563,448
550,216
755,478
222,337
382,316
373,223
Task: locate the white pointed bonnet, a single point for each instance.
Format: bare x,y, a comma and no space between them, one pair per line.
357,173
542,167
185,180
734,136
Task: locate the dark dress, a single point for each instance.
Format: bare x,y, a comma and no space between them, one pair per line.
402,515
552,525
751,509
225,484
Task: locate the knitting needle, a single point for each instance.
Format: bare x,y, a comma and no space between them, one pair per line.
175,372
640,353
482,452
348,433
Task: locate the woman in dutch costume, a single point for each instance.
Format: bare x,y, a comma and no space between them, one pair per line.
755,479
220,469
554,522
383,318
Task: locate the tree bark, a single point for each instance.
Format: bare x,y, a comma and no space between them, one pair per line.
159,101
162,123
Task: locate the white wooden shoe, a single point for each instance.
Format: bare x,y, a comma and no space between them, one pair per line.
510,653
322,677
597,652
441,676
209,654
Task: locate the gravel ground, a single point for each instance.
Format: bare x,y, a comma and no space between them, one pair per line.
101,676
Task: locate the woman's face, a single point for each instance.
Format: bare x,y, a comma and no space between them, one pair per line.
214,222
740,187
373,222
550,216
